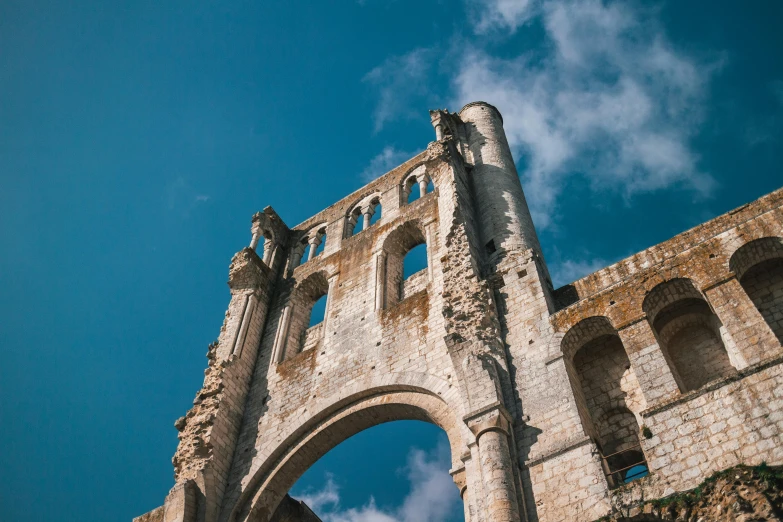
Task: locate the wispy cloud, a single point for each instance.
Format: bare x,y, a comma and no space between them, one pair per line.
493,15
386,160
399,80
605,95
610,99
433,497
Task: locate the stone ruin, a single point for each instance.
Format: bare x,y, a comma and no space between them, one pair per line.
636,382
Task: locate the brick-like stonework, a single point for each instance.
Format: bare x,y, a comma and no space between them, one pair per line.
670,359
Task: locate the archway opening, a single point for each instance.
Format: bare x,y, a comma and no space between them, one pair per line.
759,268
394,471
282,464
689,333
308,312
406,263
608,396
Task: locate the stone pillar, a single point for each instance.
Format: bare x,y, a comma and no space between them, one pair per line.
352,220
406,192
430,249
423,182
278,350
250,306
329,298
296,257
753,339
650,364
380,280
314,242
437,123
368,213
491,428
269,248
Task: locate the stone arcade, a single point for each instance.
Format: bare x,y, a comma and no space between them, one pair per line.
552,399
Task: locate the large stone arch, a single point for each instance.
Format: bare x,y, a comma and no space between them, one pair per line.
335,419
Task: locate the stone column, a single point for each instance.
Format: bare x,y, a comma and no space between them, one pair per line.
269,248
314,242
250,306
380,280
406,192
650,364
428,240
352,219
491,428
278,351
329,294
296,256
753,339
368,213
423,182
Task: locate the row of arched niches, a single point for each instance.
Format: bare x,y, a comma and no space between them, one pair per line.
697,349
404,271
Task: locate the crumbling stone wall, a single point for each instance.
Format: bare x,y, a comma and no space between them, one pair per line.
673,354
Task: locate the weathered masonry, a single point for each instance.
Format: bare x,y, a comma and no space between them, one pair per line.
666,364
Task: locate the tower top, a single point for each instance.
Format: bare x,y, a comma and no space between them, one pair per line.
480,104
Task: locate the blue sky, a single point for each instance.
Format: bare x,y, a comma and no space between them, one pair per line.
137,139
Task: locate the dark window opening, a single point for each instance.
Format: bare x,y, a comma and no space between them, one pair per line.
318,311
414,193
377,214
415,261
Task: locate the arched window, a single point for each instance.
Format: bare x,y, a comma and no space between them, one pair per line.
375,205
405,265
318,312
416,186
308,247
759,268
688,333
607,394
308,310
354,222
321,242
413,190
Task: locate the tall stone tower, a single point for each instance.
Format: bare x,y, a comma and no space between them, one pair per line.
632,383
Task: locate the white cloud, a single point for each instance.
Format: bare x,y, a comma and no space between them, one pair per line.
568,270
499,14
398,80
433,497
609,98
388,158
329,495
605,95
